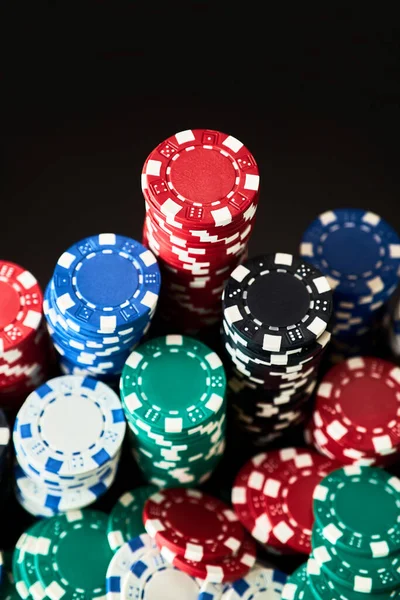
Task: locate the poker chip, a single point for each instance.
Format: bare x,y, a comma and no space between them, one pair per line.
192,524
222,570
356,413
72,555
100,303
211,591
276,325
297,586
359,253
24,346
64,462
201,193
359,573
273,496
126,518
357,509
261,582
126,556
173,395
4,442
324,589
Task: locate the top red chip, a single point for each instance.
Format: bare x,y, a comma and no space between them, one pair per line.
201,178
21,302
192,524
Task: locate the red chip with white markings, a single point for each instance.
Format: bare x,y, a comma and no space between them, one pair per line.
358,402
201,178
192,524
222,570
288,491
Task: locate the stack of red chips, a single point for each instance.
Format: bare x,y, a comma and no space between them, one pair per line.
24,344
201,191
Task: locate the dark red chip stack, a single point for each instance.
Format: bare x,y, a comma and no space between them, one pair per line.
201,189
24,344
356,417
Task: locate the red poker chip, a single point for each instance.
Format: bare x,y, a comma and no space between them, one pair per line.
192,524
201,178
227,569
321,441
358,402
288,493
21,302
249,503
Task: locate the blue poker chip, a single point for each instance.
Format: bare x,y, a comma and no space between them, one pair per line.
259,581
105,282
356,250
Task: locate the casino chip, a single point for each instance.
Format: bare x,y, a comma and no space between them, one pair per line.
100,303
24,344
297,586
71,556
192,524
126,518
273,495
356,414
261,582
173,395
201,193
359,253
276,325
67,438
4,442
357,510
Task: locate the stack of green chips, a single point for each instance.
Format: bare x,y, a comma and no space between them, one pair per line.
65,556
173,391
355,539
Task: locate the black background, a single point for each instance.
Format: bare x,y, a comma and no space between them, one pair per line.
88,93
89,88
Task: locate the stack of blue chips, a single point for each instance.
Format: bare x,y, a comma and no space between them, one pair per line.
359,253
100,302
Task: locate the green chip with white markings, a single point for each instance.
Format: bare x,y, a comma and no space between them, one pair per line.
72,558
23,563
359,573
125,520
358,509
173,384
297,586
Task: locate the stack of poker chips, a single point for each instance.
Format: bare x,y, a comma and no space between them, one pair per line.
273,495
201,190
67,438
173,394
276,324
65,556
359,253
100,303
24,345
199,534
4,443
355,542
356,416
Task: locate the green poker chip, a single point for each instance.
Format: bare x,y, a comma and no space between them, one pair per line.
297,586
73,556
23,563
173,384
324,588
359,573
125,520
357,509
